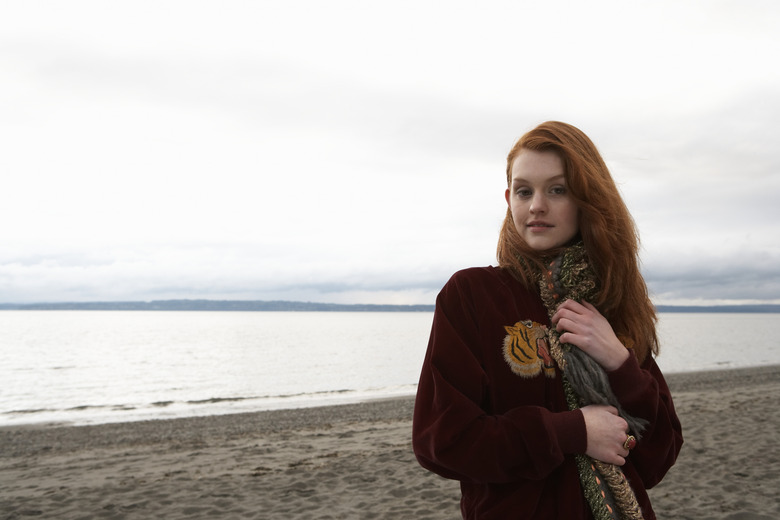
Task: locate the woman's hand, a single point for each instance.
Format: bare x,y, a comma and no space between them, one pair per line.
583,326
606,432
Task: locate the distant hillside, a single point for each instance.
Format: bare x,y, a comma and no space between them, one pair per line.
288,306
215,305
718,308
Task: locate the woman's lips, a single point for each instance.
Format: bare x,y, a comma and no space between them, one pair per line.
537,225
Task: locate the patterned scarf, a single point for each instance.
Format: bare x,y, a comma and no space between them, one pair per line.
585,382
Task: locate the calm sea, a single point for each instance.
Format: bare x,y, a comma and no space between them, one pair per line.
85,367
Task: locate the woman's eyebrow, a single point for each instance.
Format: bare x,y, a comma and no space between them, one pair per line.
557,178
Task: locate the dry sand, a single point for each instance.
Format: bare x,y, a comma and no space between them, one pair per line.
355,461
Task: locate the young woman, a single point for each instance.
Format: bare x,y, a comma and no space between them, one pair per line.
501,404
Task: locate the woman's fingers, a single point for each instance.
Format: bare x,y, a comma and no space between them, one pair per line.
583,326
606,432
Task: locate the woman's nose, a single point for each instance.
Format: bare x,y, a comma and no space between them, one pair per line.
538,204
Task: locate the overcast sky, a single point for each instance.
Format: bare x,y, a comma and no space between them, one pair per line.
354,151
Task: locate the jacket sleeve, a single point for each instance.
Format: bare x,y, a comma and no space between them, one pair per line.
643,392
454,436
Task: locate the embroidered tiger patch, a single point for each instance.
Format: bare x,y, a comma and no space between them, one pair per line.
526,349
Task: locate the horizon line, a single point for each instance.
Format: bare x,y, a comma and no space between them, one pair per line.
204,304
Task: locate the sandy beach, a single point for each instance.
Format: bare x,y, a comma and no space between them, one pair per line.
355,462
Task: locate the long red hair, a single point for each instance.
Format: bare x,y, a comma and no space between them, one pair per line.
605,226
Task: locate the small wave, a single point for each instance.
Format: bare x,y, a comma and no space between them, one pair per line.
24,412
83,407
94,414
217,400
308,394
214,400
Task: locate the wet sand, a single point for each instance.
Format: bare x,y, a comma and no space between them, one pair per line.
355,461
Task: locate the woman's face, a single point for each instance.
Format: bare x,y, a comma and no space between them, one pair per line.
544,213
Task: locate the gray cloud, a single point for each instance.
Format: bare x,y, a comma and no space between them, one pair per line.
332,171
745,284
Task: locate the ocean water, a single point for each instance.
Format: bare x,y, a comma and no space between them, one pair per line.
86,367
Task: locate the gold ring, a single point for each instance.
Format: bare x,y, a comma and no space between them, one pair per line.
630,443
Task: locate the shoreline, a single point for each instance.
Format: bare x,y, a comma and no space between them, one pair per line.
677,381
355,461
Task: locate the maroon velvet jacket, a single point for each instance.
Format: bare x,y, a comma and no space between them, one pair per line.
509,437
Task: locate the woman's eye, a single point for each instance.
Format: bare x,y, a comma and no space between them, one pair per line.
523,192
558,190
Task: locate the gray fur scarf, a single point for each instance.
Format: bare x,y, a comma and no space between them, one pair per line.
569,276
